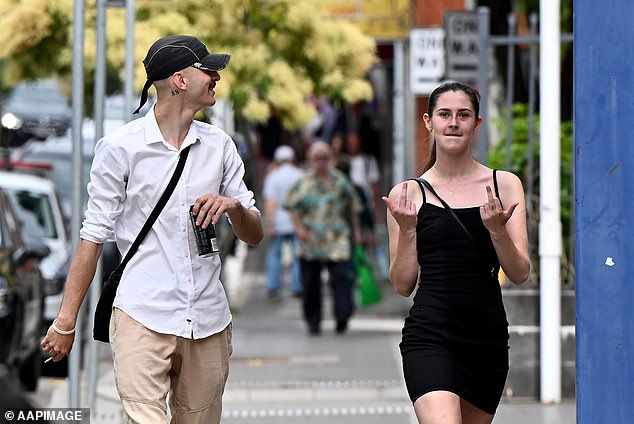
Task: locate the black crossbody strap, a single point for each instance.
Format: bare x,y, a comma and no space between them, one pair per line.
156,211
447,207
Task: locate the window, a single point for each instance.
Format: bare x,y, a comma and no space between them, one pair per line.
34,212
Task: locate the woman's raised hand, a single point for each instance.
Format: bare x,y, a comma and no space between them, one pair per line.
493,216
402,209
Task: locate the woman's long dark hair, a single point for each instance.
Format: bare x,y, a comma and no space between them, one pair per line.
431,105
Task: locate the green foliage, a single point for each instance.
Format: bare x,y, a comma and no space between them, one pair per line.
520,167
283,51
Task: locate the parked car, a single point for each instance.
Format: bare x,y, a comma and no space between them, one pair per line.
37,206
35,109
57,153
21,298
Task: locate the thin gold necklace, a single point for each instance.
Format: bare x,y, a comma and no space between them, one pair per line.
452,191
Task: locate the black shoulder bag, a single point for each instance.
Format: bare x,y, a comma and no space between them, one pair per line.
103,312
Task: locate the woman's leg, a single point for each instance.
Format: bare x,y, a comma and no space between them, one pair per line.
438,407
473,415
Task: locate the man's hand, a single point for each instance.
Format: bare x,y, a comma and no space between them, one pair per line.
208,208
57,345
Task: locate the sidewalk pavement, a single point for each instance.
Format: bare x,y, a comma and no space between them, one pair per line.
279,374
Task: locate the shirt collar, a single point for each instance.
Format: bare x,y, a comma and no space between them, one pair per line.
153,132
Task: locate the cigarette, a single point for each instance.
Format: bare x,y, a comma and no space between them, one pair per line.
49,359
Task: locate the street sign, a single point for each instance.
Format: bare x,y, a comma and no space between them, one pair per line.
427,59
462,45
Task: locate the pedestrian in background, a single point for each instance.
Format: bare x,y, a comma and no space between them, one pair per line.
364,175
170,330
278,224
455,338
324,208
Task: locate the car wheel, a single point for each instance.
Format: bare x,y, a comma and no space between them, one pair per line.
30,370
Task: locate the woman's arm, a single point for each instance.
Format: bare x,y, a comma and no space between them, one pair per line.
508,227
401,225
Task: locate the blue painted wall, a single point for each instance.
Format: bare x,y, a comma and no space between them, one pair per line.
604,164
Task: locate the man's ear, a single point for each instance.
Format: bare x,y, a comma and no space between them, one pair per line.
178,80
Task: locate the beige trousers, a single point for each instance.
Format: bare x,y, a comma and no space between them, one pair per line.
149,365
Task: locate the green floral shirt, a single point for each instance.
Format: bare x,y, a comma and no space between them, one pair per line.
326,211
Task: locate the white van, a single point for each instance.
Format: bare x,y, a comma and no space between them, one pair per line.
37,205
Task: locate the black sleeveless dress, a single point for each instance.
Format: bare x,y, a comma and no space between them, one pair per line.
455,337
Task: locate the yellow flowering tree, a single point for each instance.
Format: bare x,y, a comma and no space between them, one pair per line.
283,51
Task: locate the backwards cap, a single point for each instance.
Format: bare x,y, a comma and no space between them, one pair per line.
175,52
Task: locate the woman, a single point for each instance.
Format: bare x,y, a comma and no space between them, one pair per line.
455,339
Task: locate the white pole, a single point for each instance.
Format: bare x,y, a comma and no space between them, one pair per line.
550,240
398,169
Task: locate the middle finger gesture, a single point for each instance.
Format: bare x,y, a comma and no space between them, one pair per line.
493,216
402,209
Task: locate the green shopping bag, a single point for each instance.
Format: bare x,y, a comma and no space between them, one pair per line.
369,291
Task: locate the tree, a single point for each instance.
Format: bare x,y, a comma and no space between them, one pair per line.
283,51
519,166
499,26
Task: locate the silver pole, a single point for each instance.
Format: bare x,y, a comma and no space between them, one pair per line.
100,92
409,125
130,18
78,115
510,77
532,75
483,82
399,112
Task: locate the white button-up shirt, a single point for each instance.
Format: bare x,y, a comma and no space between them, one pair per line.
165,286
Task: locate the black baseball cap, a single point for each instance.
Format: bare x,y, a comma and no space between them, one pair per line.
175,52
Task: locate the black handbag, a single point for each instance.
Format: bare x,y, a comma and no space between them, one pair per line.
103,311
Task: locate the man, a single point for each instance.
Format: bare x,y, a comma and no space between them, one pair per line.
324,207
279,226
171,327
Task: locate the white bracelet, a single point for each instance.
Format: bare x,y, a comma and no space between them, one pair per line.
62,332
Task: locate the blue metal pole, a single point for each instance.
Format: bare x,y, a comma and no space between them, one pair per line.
604,165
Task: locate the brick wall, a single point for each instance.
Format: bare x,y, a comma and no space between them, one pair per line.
427,13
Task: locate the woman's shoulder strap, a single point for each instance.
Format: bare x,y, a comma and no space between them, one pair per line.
495,186
422,189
